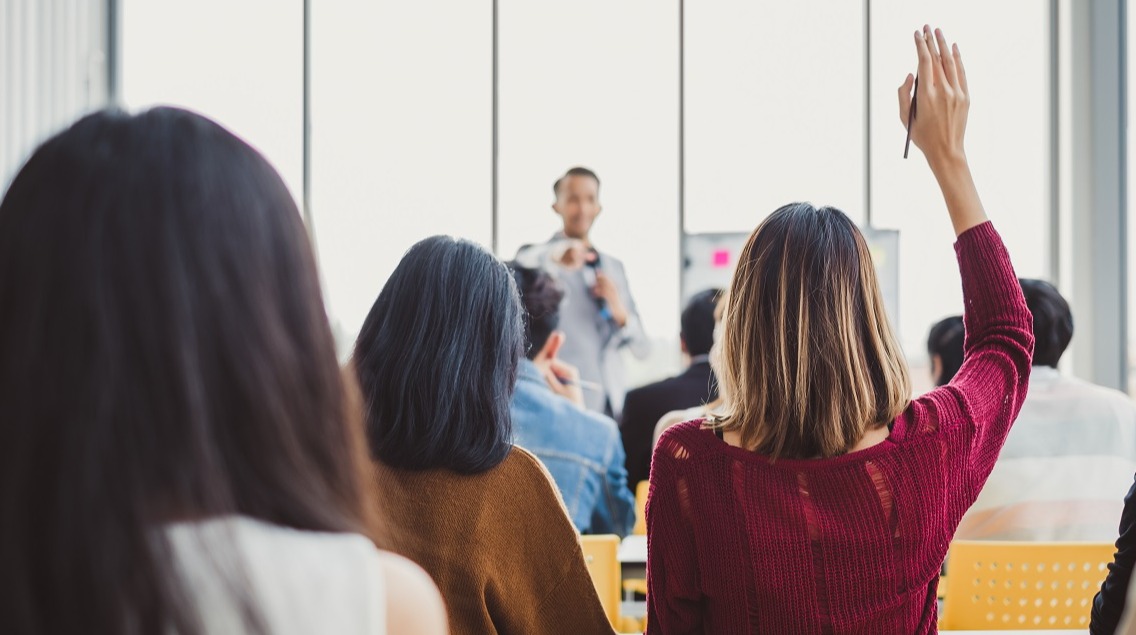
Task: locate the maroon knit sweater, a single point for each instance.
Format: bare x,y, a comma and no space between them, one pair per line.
850,544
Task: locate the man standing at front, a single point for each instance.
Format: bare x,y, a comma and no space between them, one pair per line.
598,315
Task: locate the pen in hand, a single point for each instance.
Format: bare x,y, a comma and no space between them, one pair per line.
911,117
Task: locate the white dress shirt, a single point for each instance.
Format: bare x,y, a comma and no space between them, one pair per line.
1065,469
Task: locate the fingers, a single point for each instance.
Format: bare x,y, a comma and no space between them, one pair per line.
936,60
905,93
960,69
946,59
925,70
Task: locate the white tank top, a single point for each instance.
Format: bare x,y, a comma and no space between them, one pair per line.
300,582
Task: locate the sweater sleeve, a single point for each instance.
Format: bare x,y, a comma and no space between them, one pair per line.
674,599
545,588
997,353
1109,603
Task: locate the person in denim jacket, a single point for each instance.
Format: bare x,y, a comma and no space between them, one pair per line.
581,449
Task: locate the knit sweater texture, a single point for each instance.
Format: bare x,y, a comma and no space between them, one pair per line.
499,545
739,544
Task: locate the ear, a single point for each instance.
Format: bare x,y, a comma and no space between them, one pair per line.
682,344
551,348
556,207
936,368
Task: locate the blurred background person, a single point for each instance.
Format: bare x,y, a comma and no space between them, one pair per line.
696,386
703,410
580,448
944,348
598,314
1067,463
438,361
181,453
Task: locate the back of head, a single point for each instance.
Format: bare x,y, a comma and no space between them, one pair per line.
808,359
1052,321
946,341
437,359
540,297
698,321
164,355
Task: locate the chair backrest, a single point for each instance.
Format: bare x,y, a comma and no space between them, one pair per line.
998,585
641,508
600,554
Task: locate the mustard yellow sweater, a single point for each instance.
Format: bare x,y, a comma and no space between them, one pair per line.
499,545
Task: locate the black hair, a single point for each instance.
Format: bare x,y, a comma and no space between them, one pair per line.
164,356
698,322
946,341
540,297
437,359
576,171
1052,321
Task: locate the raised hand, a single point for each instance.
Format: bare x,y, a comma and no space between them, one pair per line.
939,126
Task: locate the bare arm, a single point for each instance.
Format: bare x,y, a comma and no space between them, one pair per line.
414,606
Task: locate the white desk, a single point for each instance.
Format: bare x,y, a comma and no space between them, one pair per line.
633,550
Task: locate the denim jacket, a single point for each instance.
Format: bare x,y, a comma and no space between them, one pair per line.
581,449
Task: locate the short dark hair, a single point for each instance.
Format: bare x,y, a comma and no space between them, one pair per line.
698,321
540,297
1052,321
946,341
576,171
437,359
165,354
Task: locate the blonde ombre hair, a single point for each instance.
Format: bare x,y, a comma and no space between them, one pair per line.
808,361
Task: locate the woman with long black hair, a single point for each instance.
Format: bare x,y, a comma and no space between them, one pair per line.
179,450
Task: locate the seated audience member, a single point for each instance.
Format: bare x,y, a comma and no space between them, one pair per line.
181,452
676,417
944,347
823,499
581,449
437,359
696,386
1062,472
1109,604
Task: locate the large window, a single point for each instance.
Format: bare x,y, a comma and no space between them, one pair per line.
401,138
1007,144
774,109
403,134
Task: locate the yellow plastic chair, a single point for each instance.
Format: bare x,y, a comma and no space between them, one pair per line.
997,585
640,528
638,585
600,554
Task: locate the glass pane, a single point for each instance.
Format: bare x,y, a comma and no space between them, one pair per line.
240,63
1007,144
401,138
774,109
596,84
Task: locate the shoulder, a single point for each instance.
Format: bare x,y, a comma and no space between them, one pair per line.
414,603
683,441
942,408
523,475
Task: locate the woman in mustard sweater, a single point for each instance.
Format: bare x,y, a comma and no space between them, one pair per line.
437,358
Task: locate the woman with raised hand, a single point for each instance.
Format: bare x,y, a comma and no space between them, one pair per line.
438,359
180,451
823,499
